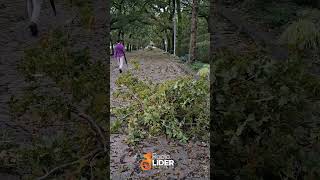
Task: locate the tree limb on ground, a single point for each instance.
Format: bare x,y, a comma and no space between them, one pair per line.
69,164
93,124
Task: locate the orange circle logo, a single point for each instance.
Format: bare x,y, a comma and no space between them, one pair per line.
145,166
146,163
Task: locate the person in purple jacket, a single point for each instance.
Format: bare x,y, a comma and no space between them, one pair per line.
119,54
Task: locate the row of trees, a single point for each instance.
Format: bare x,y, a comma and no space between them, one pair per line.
167,23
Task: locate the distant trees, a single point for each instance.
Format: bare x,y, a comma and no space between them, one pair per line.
165,22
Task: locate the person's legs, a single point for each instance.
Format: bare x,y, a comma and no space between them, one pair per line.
34,18
118,61
29,8
121,62
36,11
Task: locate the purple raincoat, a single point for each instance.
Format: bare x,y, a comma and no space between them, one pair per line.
119,50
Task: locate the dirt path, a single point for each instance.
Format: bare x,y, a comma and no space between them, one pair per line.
192,159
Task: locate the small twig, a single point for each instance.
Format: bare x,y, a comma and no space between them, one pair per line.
246,80
91,168
137,99
124,117
93,124
68,164
264,99
18,126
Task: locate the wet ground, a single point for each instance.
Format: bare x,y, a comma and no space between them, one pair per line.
192,159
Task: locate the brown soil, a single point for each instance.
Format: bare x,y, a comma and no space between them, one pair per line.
192,159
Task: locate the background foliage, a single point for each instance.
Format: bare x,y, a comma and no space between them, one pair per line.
270,126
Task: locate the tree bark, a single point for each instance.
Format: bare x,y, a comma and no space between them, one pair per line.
193,37
179,40
119,34
174,26
169,44
210,28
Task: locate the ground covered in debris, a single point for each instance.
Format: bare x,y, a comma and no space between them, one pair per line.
192,158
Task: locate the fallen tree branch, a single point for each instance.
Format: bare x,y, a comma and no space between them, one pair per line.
69,164
93,124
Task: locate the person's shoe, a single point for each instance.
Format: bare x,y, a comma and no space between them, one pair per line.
34,29
120,70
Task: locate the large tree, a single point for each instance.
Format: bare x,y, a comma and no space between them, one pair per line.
193,36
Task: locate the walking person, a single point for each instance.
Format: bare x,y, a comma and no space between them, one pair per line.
119,54
33,9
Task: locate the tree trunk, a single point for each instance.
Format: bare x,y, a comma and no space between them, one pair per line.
163,44
108,37
210,27
174,26
193,37
119,34
168,43
179,36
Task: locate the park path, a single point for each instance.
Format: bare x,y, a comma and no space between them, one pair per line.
192,159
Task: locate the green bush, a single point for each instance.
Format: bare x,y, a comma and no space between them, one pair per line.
197,65
301,35
178,108
266,119
202,50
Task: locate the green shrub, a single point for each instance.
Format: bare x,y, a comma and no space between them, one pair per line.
310,14
178,108
301,35
266,119
202,50
197,65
